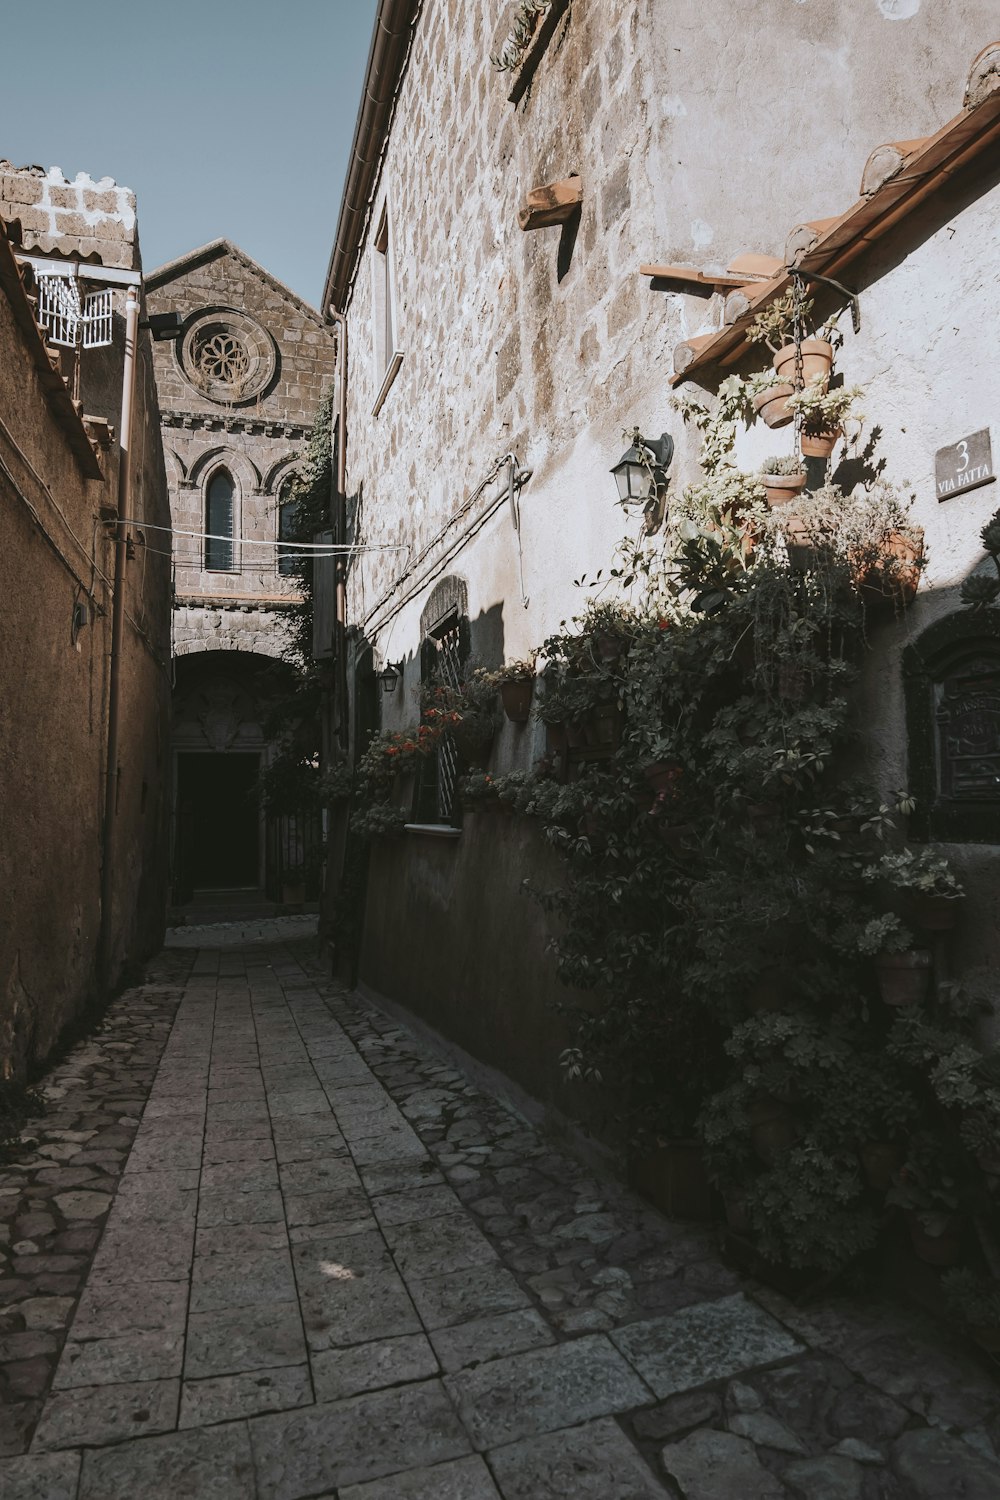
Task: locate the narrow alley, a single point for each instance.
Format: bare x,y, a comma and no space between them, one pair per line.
268,1243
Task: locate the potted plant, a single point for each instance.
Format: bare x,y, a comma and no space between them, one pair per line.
795,364
980,590
770,402
823,415
476,791
904,972
933,893
465,713
976,1300
515,682
783,478
380,820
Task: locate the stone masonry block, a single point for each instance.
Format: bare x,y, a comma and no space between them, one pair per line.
20,188
104,203
64,197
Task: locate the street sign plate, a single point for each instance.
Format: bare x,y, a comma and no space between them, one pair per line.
964,466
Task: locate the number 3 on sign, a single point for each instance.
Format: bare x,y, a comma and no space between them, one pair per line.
963,450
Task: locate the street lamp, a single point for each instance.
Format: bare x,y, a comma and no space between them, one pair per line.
391,675
641,472
164,327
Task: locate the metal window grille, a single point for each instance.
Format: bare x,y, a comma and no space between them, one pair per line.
449,668
72,321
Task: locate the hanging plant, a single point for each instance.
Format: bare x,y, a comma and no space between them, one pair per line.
524,22
823,414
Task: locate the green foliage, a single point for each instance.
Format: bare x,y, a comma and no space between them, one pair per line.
774,325
976,1299
715,927
378,820
19,1102
823,410
785,463
918,870
980,590
522,29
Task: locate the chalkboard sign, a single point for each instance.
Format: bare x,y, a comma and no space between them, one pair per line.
964,466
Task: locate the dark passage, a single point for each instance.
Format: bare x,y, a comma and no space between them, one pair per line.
218,821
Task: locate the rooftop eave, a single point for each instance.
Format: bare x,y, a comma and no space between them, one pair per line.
897,178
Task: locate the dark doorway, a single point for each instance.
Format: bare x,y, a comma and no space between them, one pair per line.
218,820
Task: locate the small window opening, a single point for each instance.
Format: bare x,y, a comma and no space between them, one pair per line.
385,328
219,523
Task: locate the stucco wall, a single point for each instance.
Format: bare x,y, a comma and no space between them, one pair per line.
451,932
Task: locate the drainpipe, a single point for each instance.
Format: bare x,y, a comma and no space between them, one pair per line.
105,940
339,524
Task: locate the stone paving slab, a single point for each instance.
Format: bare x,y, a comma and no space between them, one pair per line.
591,1462
545,1389
333,1267
102,1414
346,1442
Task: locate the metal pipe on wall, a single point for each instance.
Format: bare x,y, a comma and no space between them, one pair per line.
105,940
339,523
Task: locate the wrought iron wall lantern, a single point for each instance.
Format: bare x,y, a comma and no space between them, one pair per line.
641,475
391,675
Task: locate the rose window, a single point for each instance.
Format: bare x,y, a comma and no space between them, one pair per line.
222,357
227,356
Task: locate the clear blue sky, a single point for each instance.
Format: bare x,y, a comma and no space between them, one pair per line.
226,117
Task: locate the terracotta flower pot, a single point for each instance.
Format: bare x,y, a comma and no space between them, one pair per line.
781,488
515,695
936,913
895,576
942,1249
772,405
817,359
820,444
879,1161
904,978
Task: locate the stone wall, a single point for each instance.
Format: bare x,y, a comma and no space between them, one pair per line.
80,218
56,564
549,343
202,626
255,426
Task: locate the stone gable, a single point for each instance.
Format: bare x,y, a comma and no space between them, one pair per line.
238,391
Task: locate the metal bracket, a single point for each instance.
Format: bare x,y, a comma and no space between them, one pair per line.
852,297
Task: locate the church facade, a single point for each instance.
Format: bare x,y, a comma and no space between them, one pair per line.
239,390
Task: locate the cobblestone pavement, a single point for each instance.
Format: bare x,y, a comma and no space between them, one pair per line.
332,1266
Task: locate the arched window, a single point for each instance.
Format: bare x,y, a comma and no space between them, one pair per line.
288,529
951,674
219,521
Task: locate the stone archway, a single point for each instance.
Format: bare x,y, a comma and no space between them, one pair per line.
224,844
